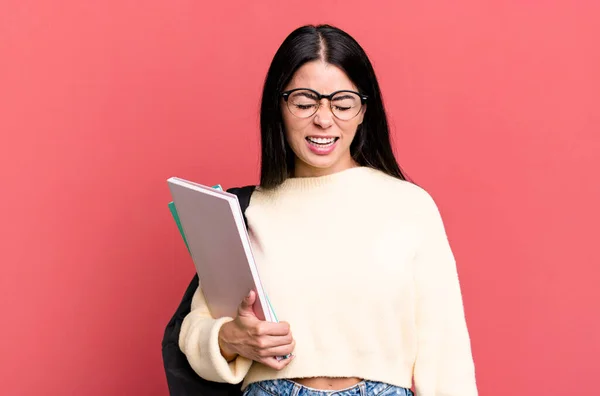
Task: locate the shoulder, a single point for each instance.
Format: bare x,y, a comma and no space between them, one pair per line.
403,192
406,202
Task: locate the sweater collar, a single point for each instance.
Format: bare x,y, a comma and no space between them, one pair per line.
315,182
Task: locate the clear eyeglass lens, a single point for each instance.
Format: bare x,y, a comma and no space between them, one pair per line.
344,105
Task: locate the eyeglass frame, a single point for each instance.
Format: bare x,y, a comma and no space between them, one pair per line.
363,99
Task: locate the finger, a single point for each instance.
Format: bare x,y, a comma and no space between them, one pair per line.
245,307
277,364
272,329
282,350
268,342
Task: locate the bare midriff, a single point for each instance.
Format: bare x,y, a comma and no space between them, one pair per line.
327,383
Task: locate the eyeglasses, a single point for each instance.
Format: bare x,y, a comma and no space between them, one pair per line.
304,102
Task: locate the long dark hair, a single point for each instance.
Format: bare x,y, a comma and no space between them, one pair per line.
371,145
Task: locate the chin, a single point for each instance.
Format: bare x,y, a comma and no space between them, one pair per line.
321,163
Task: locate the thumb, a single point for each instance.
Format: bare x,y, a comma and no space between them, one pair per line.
246,307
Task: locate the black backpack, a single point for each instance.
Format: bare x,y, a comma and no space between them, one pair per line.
181,378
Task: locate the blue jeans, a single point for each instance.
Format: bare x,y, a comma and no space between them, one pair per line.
285,387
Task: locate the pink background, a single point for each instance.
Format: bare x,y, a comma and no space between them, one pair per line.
494,107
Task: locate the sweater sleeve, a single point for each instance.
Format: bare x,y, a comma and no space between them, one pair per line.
199,341
444,365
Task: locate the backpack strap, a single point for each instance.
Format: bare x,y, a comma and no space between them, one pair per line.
244,194
181,378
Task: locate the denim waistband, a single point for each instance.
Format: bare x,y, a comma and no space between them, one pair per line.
284,387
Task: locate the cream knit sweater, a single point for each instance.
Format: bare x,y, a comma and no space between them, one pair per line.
358,263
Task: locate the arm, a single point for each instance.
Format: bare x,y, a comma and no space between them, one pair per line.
444,364
199,341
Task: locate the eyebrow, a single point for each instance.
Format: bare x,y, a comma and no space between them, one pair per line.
307,94
342,97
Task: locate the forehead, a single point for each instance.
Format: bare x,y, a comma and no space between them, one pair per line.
320,76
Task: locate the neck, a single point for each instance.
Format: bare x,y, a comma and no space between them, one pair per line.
302,169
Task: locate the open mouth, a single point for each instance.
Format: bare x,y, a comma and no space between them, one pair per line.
322,142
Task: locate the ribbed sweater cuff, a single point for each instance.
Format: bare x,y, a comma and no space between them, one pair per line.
206,357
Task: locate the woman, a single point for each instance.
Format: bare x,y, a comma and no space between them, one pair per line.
355,259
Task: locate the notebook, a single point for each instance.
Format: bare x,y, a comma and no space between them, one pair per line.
212,225
175,215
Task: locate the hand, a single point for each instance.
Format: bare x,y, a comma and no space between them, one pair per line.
255,339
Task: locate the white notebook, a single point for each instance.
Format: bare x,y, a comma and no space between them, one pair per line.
217,238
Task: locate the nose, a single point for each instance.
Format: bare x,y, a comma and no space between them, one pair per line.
324,116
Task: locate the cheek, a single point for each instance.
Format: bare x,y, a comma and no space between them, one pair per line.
349,130
291,132
294,128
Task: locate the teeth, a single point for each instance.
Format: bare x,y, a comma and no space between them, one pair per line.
321,140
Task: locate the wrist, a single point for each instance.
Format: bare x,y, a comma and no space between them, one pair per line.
224,346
